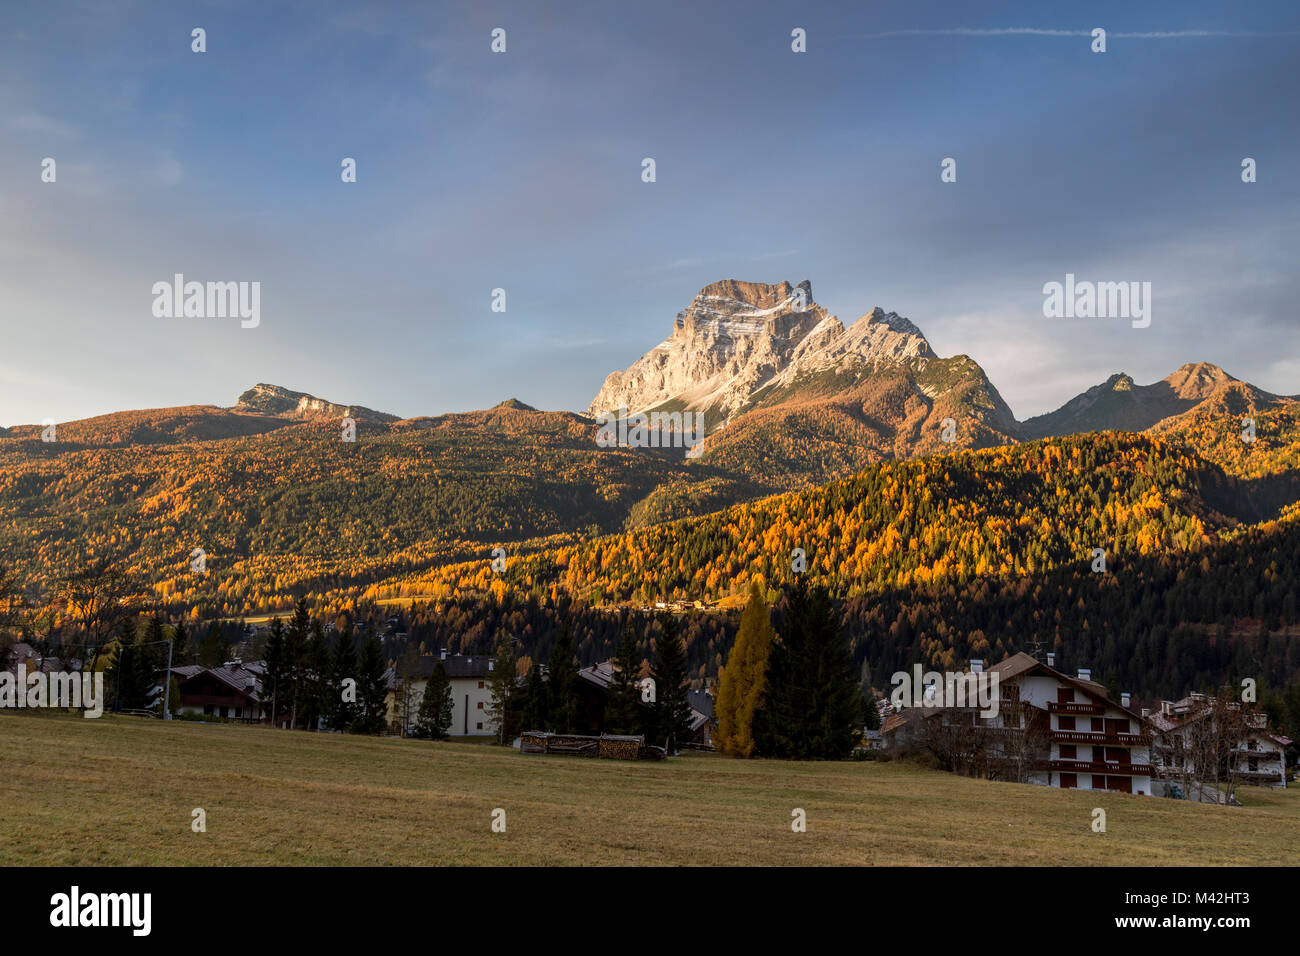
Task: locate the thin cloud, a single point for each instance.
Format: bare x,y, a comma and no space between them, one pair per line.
1049,32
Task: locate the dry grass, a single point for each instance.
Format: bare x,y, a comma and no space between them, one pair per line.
118,791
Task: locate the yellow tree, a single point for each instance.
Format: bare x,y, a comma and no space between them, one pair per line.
742,682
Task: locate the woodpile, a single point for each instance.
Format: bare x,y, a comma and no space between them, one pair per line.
621,748
608,746
573,744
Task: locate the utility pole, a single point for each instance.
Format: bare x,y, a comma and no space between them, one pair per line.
167,682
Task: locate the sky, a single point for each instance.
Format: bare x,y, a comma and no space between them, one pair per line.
522,171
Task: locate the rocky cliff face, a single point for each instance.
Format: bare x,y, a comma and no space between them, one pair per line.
266,399
738,338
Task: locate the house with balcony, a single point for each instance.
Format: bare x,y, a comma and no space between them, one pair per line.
1192,746
1051,729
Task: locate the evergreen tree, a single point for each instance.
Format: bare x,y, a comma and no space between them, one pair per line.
275,674
813,706
174,697
742,682
562,684
623,713
505,689
372,687
215,649
671,711
181,645
132,669
296,636
314,679
536,716
342,713
434,716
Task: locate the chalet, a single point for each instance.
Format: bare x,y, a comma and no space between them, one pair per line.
232,691
594,684
471,696
1051,729
1242,745
702,719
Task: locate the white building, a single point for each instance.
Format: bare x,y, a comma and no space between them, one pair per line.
1064,731
1181,729
471,696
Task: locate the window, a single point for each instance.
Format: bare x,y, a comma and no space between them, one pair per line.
1065,695
1098,725
1066,723
480,705
479,725
1069,752
480,685
1069,781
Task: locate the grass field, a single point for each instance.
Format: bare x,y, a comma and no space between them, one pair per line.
121,790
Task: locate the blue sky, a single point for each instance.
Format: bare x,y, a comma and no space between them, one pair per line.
522,171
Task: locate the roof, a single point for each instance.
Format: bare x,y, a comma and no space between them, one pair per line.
1022,665
457,666
234,675
701,701
600,675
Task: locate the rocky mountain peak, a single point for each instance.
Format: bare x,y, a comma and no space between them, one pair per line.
737,337
266,399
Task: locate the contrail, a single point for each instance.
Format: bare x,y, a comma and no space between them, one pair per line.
1048,32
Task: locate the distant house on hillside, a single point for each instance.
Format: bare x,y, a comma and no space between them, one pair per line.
471,695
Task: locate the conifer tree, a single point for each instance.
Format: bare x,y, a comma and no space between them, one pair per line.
671,711
535,700
295,647
813,707
342,713
275,674
314,679
623,715
372,687
742,682
433,719
215,649
561,683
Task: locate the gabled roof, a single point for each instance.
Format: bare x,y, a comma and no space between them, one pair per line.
235,676
1023,665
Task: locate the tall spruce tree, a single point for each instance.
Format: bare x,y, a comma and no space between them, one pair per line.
276,677
623,713
433,719
296,636
215,649
372,687
536,703
812,709
562,683
671,711
742,682
342,712
314,679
